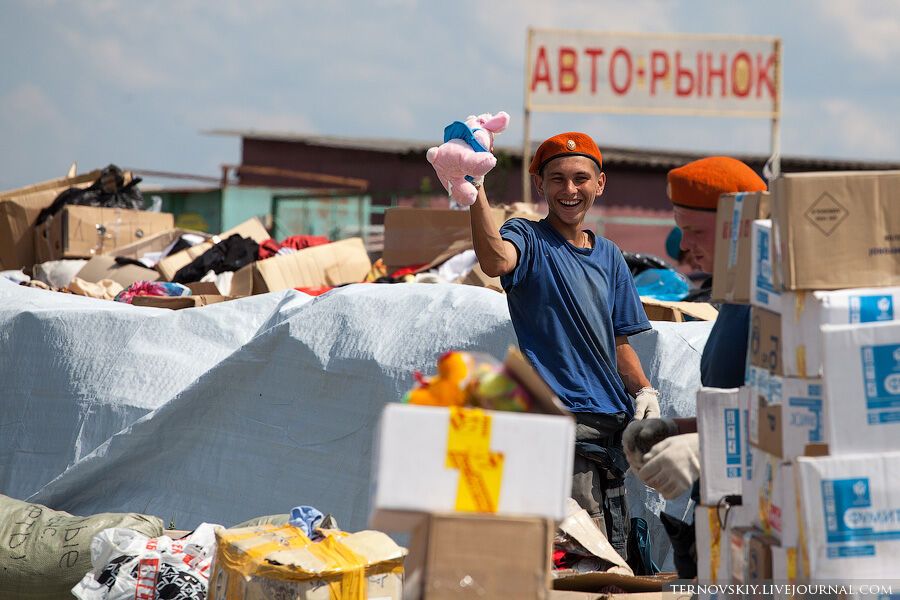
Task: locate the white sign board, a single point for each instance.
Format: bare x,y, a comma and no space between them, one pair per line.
582,71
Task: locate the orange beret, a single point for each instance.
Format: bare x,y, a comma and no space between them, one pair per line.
571,143
699,184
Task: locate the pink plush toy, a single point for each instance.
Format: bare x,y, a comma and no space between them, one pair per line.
466,154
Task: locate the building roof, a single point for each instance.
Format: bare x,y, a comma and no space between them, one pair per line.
636,157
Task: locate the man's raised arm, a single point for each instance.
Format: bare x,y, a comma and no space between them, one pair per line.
495,255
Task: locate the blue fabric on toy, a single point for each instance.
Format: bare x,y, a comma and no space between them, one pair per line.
457,130
306,518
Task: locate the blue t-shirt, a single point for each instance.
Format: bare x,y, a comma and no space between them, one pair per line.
567,306
724,357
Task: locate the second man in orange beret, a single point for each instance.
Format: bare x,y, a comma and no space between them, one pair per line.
573,304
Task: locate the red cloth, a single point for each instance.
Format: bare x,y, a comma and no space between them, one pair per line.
403,271
270,247
314,291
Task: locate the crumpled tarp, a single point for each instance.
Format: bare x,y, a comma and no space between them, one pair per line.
245,407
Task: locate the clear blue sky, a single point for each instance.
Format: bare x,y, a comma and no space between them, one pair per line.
135,83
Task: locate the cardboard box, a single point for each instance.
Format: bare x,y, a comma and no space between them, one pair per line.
179,302
805,312
759,557
784,565
252,228
332,264
259,563
453,556
849,508
771,497
838,230
678,312
19,209
428,236
754,396
721,443
467,460
862,387
731,270
154,243
764,289
791,417
713,526
104,267
477,277
84,231
764,347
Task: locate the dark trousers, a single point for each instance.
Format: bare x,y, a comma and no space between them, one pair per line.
598,481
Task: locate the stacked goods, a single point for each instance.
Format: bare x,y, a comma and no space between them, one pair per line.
837,240
458,465
822,389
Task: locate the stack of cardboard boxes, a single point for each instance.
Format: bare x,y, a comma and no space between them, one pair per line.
821,399
102,234
479,491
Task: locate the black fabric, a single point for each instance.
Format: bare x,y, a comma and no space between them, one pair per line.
638,263
702,293
228,255
684,546
178,247
640,548
124,260
109,191
724,357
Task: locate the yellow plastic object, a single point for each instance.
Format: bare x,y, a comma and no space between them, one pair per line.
469,451
447,388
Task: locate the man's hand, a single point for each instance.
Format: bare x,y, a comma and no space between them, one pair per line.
672,465
641,436
646,404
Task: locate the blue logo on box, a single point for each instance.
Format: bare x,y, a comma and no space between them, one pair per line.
881,378
764,280
870,309
849,517
733,442
811,420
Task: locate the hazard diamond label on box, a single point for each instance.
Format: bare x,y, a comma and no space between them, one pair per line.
826,213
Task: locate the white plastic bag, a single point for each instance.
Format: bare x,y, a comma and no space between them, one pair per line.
130,566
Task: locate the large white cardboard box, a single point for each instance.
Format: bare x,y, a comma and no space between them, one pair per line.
862,387
721,443
850,506
712,526
467,460
764,290
803,313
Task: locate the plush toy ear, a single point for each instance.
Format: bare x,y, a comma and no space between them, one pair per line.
497,123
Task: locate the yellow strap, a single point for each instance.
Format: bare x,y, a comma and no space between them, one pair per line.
792,565
800,350
468,451
339,560
715,534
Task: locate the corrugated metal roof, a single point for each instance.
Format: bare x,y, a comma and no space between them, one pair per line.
637,157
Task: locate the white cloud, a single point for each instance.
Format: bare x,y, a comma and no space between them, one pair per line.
870,28
240,117
860,130
111,59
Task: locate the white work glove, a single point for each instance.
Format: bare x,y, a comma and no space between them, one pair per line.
646,404
640,437
672,466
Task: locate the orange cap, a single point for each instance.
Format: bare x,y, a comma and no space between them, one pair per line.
699,184
571,143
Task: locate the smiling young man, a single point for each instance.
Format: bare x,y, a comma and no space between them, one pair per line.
573,305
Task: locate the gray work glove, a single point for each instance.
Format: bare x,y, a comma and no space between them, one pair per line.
672,466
